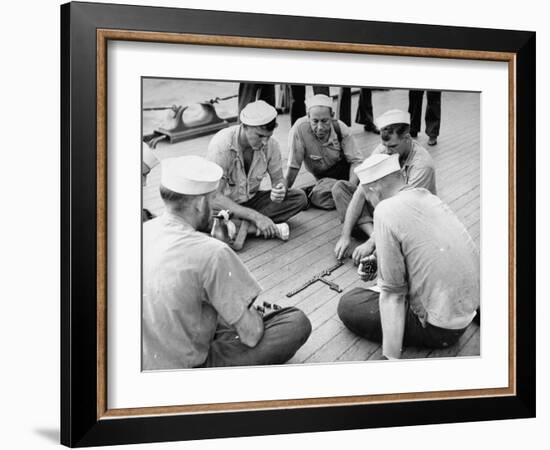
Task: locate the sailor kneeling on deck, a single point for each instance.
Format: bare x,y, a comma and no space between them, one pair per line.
327,149
246,153
428,266
417,168
197,293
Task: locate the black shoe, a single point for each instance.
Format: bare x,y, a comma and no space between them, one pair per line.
414,134
371,129
432,140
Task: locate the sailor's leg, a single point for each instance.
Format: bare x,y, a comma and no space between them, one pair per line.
318,89
321,194
359,311
433,113
294,202
364,114
342,193
285,331
415,110
297,104
344,105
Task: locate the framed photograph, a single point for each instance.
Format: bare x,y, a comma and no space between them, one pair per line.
279,224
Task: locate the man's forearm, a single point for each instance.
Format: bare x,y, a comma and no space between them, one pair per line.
276,177
353,213
241,212
353,179
250,328
291,174
392,316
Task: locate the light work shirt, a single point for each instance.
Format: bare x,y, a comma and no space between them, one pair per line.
418,169
224,150
190,280
427,255
318,157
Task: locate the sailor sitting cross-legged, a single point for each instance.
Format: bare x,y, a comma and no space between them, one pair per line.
327,149
417,168
197,293
247,153
428,266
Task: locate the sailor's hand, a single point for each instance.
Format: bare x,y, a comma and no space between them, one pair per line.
342,246
265,227
278,193
368,268
362,251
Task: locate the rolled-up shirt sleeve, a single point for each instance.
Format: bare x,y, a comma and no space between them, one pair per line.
392,271
218,152
229,285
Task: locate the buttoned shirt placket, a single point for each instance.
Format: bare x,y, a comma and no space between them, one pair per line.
256,155
235,147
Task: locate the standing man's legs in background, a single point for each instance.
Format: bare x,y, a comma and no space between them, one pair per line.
433,116
249,91
297,103
364,114
343,108
325,90
415,110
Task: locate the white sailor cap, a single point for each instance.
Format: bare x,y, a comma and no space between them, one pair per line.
377,166
319,100
393,116
149,158
190,175
258,113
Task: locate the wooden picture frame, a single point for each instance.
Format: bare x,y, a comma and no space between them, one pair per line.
85,416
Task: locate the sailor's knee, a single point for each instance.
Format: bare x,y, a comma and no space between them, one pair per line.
300,324
322,200
347,299
338,189
298,197
347,305
303,324
343,307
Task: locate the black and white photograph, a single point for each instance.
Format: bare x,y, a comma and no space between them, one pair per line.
301,224
279,221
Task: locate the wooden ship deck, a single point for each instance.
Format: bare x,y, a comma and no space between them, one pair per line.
282,266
